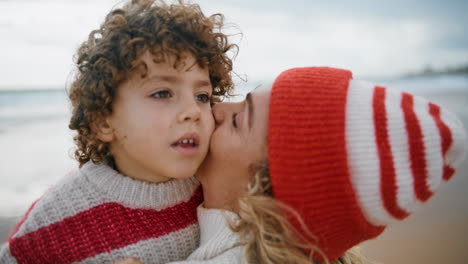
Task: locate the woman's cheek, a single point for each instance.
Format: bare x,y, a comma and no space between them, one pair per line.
223,145
216,144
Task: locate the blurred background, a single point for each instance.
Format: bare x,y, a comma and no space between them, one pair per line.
416,46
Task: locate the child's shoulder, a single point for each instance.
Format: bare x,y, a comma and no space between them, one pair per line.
72,194
98,206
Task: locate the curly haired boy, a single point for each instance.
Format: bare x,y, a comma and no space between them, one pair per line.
141,106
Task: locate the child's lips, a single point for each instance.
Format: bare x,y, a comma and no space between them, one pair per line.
186,150
187,145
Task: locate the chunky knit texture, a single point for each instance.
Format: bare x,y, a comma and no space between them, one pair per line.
218,243
351,157
96,215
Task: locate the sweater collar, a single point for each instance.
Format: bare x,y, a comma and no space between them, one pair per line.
138,193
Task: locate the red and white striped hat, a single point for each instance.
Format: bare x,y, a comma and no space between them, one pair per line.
350,157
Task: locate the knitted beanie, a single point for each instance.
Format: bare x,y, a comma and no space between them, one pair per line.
351,157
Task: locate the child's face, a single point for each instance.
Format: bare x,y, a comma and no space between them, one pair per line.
162,123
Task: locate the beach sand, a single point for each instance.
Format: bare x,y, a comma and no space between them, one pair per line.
436,233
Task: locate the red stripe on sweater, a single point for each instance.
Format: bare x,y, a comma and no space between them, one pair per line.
101,229
388,186
445,135
416,148
20,223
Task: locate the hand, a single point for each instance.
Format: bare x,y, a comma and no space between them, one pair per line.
129,261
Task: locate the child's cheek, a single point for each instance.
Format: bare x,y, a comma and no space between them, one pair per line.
211,122
208,121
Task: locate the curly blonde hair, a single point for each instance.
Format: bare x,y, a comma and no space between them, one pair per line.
112,51
267,234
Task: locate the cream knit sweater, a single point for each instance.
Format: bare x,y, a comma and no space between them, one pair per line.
218,243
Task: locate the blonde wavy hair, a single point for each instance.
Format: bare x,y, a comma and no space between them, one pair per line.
267,235
112,52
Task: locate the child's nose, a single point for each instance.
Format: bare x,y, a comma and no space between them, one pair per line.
190,112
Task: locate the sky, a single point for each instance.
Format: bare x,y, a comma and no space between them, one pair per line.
371,38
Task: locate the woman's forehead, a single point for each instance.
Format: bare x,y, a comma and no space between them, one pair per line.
262,88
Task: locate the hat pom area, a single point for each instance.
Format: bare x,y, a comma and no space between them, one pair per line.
351,157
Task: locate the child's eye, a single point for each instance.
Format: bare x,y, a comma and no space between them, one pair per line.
204,98
161,94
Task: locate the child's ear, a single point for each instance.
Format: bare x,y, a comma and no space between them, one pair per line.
102,129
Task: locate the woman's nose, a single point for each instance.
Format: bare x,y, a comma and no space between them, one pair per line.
221,111
218,111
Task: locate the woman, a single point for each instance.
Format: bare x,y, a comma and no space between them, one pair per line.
307,168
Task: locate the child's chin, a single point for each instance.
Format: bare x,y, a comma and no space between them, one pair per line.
184,173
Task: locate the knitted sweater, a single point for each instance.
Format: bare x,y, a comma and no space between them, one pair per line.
218,243
96,215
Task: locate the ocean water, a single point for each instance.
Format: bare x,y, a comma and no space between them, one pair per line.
428,84
37,145
31,106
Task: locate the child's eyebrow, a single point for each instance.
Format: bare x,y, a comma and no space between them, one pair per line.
174,79
166,78
161,78
202,83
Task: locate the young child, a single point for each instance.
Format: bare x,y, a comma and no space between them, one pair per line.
141,105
